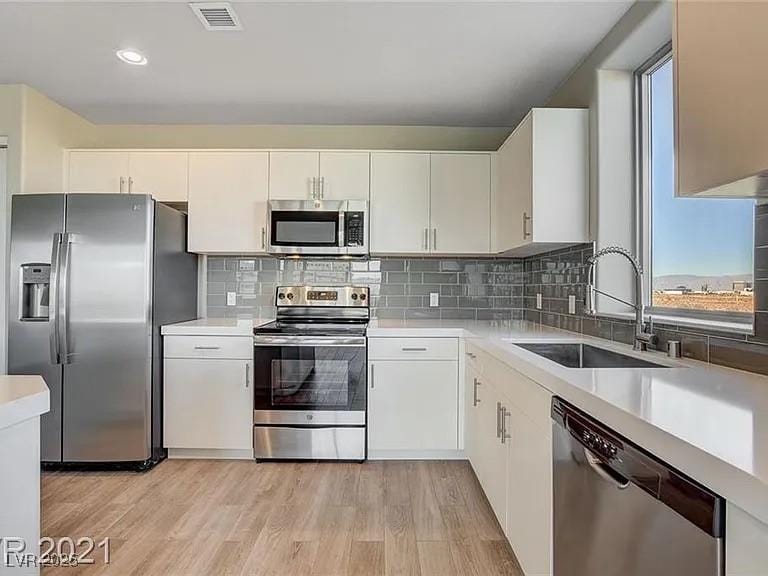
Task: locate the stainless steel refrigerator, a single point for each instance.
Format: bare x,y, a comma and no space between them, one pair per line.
93,277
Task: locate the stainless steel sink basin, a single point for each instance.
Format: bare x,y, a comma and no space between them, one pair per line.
586,356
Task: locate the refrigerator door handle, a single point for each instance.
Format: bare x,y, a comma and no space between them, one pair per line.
63,305
53,299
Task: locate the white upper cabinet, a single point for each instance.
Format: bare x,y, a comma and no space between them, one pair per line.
98,171
399,203
293,175
311,175
541,199
228,202
460,203
344,175
720,95
161,174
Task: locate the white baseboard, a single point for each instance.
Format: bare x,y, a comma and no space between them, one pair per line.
208,454
416,455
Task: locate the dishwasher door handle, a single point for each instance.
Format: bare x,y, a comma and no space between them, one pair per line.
605,472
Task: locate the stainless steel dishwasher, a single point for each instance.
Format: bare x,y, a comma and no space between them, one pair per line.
618,511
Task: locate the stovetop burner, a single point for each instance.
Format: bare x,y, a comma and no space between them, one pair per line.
356,328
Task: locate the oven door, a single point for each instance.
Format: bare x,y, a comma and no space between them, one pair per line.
302,230
309,380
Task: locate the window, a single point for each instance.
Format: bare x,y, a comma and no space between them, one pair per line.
697,251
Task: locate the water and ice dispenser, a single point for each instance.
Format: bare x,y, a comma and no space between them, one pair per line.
35,290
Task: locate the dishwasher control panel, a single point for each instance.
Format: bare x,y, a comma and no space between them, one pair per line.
599,445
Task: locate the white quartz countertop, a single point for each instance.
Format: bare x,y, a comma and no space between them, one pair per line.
214,327
708,421
22,398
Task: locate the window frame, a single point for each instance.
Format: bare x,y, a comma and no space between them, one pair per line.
643,200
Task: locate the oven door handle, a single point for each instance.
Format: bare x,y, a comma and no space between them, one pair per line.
304,341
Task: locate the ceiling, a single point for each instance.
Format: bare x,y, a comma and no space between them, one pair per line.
392,63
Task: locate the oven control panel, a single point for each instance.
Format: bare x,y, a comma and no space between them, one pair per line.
341,296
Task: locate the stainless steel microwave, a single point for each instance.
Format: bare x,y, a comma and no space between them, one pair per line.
318,227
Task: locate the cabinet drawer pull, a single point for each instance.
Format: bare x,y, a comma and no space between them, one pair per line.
207,347
413,349
372,382
247,375
475,399
473,356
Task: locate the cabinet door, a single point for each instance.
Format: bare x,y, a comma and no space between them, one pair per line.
492,454
208,404
747,542
161,174
345,175
720,97
413,405
291,175
98,172
399,203
460,203
529,506
514,195
228,202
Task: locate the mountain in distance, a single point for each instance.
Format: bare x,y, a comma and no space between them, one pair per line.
692,282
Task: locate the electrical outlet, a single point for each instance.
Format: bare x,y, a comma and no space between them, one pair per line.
539,304
571,304
434,299
231,298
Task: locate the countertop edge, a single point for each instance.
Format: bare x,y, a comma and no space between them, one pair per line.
29,405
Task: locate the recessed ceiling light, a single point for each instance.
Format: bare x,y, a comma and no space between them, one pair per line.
132,57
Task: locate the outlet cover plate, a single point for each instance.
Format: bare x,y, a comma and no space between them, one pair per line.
231,298
434,299
539,304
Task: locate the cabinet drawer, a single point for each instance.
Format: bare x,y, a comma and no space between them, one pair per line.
232,347
413,348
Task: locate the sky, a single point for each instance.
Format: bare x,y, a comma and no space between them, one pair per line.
707,237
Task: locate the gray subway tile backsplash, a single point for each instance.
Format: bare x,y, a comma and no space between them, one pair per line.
469,288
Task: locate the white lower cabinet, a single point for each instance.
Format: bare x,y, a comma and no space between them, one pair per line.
413,396
412,405
746,543
208,401
509,444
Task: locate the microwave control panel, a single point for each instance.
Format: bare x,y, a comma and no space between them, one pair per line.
354,229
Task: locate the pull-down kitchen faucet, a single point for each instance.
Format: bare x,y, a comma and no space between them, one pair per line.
642,337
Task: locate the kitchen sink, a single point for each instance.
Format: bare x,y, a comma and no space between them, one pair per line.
574,355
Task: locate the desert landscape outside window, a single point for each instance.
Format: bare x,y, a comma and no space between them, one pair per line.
701,250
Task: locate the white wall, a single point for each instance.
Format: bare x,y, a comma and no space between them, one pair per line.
604,83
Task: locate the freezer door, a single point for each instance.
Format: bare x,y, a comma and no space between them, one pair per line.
106,309
36,221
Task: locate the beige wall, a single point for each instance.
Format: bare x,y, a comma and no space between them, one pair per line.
48,129
11,113
289,136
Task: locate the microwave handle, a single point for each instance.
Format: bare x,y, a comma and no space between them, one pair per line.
342,229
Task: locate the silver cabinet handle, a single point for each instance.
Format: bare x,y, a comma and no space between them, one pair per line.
53,299
263,238
322,187
434,238
526,219
372,379
130,185
475,399
471,355
247,374
122,184
313,188
504,435
426,238
207,347
406,349
498,419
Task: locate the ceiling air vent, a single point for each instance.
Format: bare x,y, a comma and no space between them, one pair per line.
216,15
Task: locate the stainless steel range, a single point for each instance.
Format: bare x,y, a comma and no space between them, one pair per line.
310,369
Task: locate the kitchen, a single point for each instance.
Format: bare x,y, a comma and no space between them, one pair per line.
276,335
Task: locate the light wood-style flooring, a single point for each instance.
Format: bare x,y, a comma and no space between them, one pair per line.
206,517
